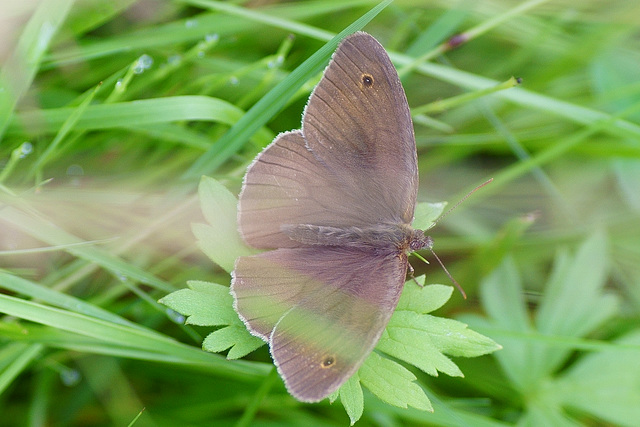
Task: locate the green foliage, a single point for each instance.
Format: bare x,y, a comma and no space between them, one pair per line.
219,209
110,111
210,304
574,305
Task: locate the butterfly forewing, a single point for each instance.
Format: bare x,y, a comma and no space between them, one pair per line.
287,185
354,162
358,124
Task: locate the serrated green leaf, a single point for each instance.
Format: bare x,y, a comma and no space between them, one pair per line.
573,302
455,338
236,338
211,308
393,383
423,299
628,179
502,297
546,414
215,289
423,341
210,304
501,294
426,214
220,239
605,384
403,341
352,398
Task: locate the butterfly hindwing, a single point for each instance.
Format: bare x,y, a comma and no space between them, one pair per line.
323,322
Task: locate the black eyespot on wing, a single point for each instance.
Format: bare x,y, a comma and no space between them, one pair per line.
367,80
328,362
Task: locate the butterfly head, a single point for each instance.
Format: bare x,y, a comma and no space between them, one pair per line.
418,241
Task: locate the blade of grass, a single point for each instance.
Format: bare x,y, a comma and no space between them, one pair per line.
125,337
525,98
264,18
472,33
134,114
524,166
22,65
271,103
43,230
58,299
191,29
67,126
16,357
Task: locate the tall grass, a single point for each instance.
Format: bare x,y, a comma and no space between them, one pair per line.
111,111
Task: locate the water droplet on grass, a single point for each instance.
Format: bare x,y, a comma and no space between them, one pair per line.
144,63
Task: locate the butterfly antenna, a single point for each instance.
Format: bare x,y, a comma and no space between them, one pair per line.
417,255
461,200
464,295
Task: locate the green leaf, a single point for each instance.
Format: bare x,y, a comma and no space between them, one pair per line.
204,304
14,357
210,304
58,299
423,299
574,302
546,414
502,297
455,338
605,384
423,341
234,338
405,341
501,294
352,398
426,214
123,340
393,383
220,240
21,66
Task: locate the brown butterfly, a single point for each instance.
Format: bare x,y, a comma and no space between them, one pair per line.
333,203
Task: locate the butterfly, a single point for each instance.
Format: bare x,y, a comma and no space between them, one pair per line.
332,204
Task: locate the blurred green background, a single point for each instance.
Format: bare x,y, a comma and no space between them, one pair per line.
111,111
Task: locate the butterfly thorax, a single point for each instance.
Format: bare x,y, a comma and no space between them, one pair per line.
393,237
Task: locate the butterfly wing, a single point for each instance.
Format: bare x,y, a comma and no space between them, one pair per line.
354,162
322,310
358,124
287,185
